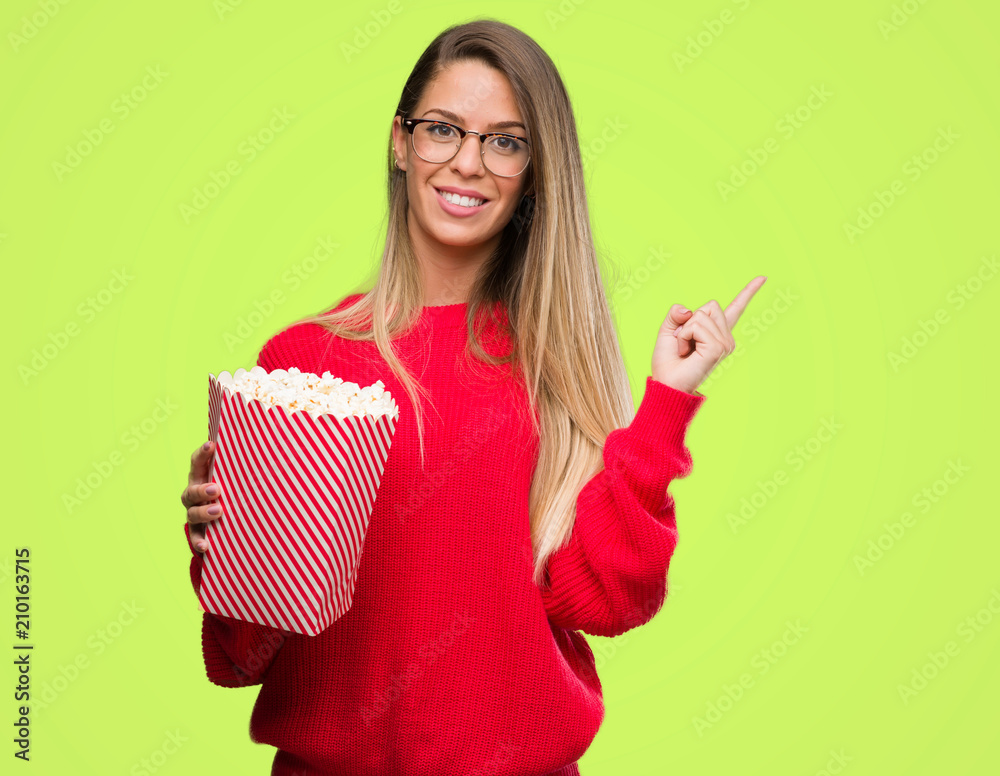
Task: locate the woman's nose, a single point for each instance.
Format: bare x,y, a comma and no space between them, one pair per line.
468,160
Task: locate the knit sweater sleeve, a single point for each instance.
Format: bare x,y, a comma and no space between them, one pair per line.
612,574
236,653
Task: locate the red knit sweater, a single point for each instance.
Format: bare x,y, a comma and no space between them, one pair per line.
450,660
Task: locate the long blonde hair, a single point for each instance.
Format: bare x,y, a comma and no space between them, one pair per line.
545,272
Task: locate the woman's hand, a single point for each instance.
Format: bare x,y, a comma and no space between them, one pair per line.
201,496
691,344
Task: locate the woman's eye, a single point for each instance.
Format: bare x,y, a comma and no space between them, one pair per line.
441,130
505,144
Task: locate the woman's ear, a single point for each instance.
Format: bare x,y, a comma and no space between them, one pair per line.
399,142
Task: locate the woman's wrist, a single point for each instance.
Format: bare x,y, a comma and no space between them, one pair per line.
690,389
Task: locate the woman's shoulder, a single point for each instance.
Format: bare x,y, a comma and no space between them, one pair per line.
347,301
300,342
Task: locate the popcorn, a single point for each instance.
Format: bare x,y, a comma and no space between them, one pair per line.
299,391
298,489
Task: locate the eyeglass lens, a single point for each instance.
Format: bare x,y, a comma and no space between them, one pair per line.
504,156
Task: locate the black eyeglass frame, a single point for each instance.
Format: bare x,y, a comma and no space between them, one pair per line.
411,124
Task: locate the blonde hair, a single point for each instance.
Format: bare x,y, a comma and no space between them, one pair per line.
545,271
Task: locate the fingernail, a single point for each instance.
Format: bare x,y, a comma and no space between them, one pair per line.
206,446
684,309
201,545
214,509
212,490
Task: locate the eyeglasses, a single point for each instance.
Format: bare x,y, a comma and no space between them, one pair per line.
438,141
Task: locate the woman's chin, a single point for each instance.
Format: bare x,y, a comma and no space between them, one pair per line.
458,236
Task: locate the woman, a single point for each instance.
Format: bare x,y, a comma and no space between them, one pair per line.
531,503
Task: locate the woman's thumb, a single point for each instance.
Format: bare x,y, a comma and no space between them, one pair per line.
677,315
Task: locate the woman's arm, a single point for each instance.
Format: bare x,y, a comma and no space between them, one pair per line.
612,574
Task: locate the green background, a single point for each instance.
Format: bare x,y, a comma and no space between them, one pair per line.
659,133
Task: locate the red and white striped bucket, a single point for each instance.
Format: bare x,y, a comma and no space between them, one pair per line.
297,493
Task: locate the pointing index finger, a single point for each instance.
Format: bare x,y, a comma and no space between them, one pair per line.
735,308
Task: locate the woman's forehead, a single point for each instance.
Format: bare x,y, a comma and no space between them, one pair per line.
472,92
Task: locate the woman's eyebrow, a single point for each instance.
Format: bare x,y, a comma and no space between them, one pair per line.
458,120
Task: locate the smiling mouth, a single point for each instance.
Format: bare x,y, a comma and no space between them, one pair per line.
461,201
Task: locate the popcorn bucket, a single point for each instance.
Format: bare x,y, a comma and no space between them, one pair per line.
298,489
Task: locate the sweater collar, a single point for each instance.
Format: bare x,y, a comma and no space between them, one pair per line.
450,315
445,315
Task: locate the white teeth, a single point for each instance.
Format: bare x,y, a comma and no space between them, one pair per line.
461,201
